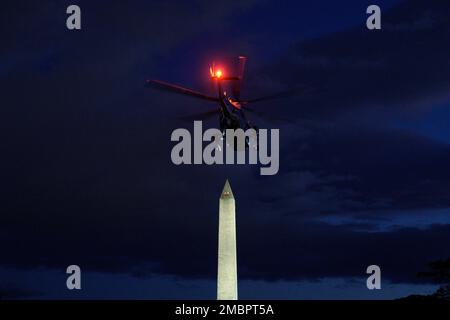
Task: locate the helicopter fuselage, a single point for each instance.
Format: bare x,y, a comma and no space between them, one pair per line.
231,114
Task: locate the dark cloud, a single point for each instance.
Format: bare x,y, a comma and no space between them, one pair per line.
186,246
342,148
397,69
366,169
86,173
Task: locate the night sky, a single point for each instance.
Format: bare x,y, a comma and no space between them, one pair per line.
85,170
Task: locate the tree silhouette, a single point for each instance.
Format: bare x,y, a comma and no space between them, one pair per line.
439,273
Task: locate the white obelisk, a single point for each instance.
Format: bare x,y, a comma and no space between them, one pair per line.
227,265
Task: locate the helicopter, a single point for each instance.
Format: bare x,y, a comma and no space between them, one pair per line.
231,108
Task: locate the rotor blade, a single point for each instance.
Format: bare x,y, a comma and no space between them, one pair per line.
241,66
283,94
271,97
178,89
267,117
201,115
238,84
229,79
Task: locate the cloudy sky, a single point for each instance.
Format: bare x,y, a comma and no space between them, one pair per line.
85,170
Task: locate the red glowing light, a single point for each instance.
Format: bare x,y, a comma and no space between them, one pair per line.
218,73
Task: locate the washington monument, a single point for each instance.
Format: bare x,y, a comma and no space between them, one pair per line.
227,265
